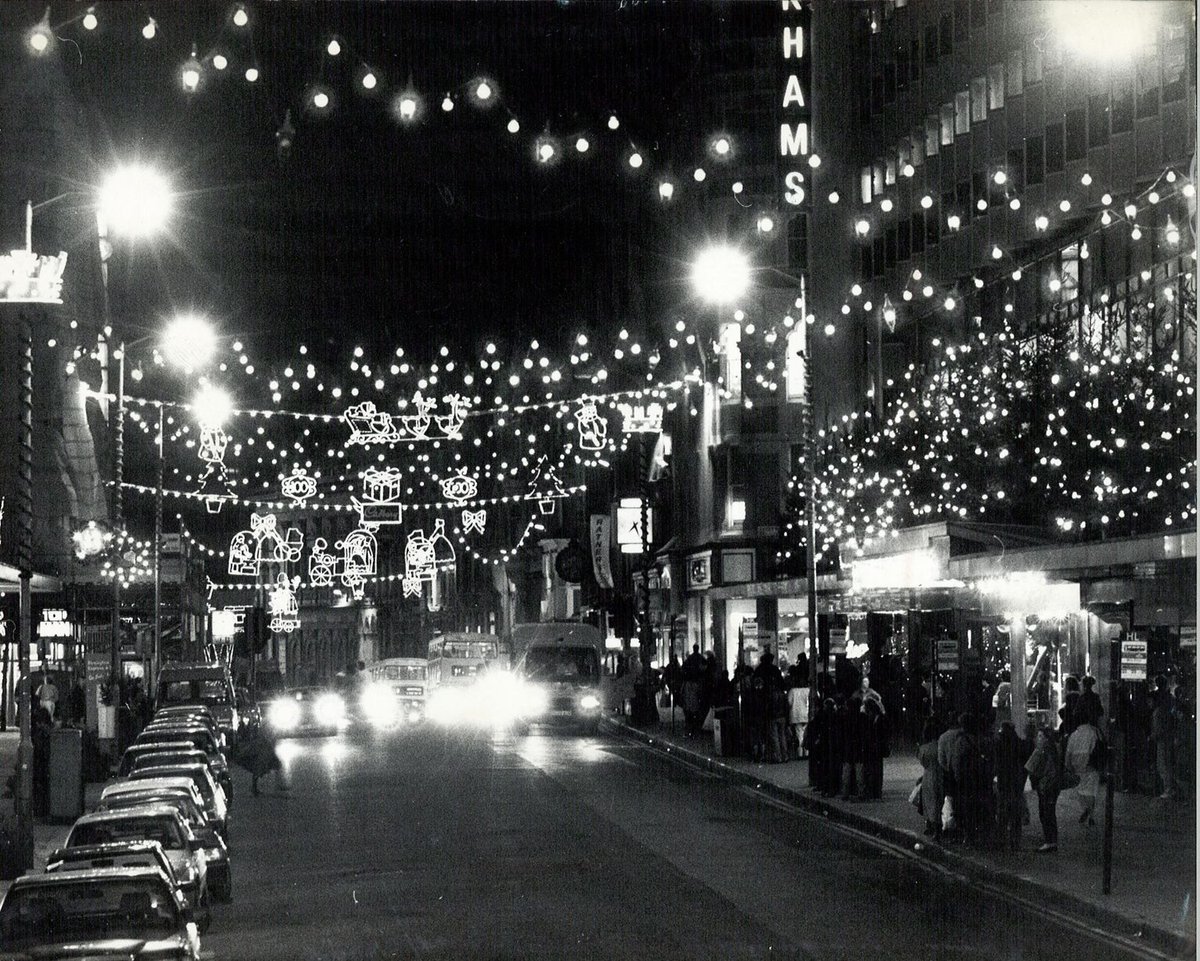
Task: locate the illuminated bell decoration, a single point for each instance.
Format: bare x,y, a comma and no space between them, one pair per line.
460,487
474,520
593,429
298,486
641,418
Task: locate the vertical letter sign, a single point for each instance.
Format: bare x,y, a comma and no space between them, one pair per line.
601,541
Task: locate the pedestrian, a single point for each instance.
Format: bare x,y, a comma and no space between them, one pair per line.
77,704
1084,751
850,725
257,753
797,696
673,675
766,683
1090,708
959,763
932,790
47,695
693,679
1069,712
1012,753
1162,733
874,748
1002,699
813,744
1045,774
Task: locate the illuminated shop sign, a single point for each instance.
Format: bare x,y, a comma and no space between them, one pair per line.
795,124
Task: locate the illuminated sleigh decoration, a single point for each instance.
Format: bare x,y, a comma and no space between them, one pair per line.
369,425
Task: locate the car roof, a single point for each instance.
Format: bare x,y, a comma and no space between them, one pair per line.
183,766
83,851
189,751
146,784
142,810
184,709
53,878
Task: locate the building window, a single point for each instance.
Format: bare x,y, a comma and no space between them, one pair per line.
918,233
918,150
979,105
1033,60
730,348
931,136
931,46
962,112
889,173
1016,170
996,86
1015,73
1146,78
864,185
1076,140
1069,273
1121,117
1054,148
946,36
794,365
1097,132
877,179
947,124
1035,149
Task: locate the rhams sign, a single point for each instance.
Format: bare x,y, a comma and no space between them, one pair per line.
795,122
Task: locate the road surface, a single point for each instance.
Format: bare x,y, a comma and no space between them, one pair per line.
423,845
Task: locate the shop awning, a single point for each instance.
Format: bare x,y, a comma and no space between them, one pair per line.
1092,558
10,580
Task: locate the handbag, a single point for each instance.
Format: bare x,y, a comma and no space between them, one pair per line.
914,797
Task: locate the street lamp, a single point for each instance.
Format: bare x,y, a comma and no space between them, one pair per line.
135,201
721,274
189,342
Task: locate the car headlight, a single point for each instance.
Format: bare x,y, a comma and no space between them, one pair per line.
444,706
329,709
589,702
378,703
283,714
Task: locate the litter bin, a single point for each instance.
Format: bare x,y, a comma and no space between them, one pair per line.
66,774
725,731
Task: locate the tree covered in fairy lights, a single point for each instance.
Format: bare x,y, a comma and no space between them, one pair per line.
1084,428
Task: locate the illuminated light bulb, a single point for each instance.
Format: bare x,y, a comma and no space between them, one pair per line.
220,61
721,146
513,126
830,330
1153,197
635,160
333,48
954,221
1189,190
1084,253
862,227
240,17
846,310
926,202
908,170
978,283
190,75
150,29
666,190
447,103
981,205
1064,206
320,100
886,205
1014,204
406,106
1000,177
916,274
582,146
949,303
997,253
1042,222
856,290
1172,233
738,187
1055,284
814,161
369,81
1106,218
927,290
89,19
765,224
907,295
545,151
483,91
1136,233
698,175
252,74
1131,211
834,197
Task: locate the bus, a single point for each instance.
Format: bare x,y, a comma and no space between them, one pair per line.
458,659
408,680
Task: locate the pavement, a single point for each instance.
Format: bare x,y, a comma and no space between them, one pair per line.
1154,867
427,844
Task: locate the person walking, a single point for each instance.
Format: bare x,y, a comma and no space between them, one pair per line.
258,755
1083,760
693,680
1090,708
874,748
949,754
850,725
932,790
1012,753
1045,774
1162,733
47,695
812,743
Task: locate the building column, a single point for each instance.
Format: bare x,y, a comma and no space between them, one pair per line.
1016,660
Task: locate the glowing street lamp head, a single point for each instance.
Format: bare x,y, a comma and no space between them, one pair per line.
135,201
1104,30
41,35
212,406
189,342
721,274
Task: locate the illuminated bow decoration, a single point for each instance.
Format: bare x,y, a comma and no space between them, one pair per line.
474,521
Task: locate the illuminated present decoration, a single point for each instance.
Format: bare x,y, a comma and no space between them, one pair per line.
593,429
29,278
369,425
282,605
641,418
262,544
381,497
473,520
460,487
298,486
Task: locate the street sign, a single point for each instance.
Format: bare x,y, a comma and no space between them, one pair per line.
837,640
947,654
629,525
1134,659
171,544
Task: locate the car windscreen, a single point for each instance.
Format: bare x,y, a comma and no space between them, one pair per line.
184,805
160,758
204,785
87,910
200,740
193,691
161,828
562,663
466,650
403,672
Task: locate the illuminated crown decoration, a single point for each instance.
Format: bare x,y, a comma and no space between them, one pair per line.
641,418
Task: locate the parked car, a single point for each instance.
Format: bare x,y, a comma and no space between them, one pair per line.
181,794
200,739
151,822
210,792
134,751
199,685
115,854
104,913
306,710
187,755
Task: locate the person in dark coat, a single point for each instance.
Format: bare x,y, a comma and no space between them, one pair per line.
850,726
41,723
257,754
1069,713
834,748
874,746
693,681
1012,753
769,700
814,746
1090,708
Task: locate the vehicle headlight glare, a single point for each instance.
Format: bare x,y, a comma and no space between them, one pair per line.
379,704
284,714
329,709
589,702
